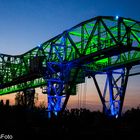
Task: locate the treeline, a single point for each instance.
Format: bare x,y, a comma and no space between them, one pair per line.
24,123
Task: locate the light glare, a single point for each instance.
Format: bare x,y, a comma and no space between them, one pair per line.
117,17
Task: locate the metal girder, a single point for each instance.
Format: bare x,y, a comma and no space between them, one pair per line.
101,44
60,86
113,95
87,39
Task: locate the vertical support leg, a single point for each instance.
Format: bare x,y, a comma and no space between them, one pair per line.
59,87
114,91
111,94
55,96
124,86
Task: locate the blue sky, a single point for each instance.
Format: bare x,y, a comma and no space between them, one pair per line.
26,23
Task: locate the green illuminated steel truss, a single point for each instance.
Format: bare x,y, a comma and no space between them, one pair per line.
97,45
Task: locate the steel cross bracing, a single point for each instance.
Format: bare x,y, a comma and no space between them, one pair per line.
103,44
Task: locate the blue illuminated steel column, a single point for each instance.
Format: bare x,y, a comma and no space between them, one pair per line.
57,77
113,95
56,86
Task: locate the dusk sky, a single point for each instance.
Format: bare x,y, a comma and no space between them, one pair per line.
24,24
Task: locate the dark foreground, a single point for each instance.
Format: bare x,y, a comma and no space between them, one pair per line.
21,123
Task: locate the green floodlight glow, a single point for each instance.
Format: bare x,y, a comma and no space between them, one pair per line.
103,61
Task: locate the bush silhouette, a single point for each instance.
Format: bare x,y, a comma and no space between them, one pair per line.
34,123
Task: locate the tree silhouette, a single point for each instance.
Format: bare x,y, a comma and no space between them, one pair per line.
26,98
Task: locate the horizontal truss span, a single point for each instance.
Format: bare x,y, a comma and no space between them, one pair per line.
100,44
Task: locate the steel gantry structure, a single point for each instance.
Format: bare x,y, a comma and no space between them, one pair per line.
102,45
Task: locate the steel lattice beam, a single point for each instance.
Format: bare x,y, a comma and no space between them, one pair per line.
86,39
101,44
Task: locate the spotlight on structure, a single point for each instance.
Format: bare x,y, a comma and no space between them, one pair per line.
117,17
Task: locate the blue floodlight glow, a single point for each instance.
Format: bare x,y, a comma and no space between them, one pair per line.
116,116
117,17
39,45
